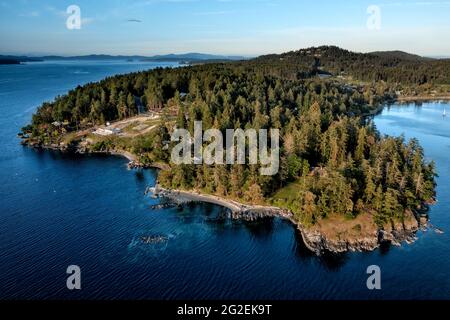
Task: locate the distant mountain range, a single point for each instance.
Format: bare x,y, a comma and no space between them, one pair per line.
193,57
182,58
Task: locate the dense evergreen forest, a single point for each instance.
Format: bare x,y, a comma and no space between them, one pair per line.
333,161
396,68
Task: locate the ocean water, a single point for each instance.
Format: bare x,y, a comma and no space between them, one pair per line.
58,210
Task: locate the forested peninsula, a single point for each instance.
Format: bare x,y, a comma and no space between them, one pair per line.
343,184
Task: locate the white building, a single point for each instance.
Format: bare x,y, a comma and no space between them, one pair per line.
106,132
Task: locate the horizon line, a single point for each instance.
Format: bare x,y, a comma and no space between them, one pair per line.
37,54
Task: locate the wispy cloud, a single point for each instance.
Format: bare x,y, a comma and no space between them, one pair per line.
56,12
212,13
87,21
31,14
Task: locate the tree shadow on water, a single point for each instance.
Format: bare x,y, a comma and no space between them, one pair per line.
261,228
329,260
384,248
334,261
139,175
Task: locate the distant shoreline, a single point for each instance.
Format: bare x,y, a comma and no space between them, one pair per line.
405,99
423,98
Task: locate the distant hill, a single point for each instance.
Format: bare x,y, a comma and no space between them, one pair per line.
388,66
400,55
92,57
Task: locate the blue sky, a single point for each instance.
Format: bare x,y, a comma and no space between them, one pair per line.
241,27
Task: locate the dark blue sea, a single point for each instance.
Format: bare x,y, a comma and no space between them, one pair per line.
58,210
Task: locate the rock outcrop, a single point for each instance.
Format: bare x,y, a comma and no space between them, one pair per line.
319,241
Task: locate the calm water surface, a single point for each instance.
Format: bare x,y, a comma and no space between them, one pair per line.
57,210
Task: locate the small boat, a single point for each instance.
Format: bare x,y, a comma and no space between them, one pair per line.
445,113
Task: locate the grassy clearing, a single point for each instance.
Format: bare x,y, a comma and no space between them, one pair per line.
287,194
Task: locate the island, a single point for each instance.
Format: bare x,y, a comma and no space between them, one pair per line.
345,186
17,59
9,61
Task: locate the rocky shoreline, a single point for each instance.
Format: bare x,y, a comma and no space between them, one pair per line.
423,98
318,243
315,240
133,163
